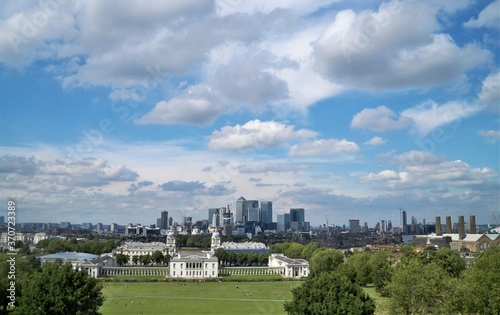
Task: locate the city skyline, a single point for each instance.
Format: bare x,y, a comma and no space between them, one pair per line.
347,109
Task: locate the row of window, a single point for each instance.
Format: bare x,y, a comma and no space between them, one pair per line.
196,273
192,265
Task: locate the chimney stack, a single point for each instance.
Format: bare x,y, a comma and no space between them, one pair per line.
438,226
448,225
461,227
472,222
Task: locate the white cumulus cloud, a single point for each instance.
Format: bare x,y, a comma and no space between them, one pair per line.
379,119
324,146
256,134
488,17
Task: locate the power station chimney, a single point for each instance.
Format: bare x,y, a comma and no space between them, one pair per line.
438,226
461,227
472,222
448,225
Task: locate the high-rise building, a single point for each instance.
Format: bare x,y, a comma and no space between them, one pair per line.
113,228
243,206
297,218
87,226
162,221
405,223
239,209
214,217
266,212
253,214
354,226
227,217
383,226
99,228
283,222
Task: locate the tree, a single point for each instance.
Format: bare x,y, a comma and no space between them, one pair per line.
309,250
294,250
360,262
157,257
145,259
329,293
280,247
418,288
121,259
446,258
221,255
483,279
381,267
325,259
58,289
135,259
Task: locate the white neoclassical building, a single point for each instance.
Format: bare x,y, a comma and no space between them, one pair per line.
293,268
140,249
194,267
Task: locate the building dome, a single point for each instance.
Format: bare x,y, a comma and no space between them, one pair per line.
215,234
171,234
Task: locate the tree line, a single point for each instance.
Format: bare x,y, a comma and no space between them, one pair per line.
51,289
157,258
430,282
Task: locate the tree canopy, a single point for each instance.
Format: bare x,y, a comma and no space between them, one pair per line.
325,259
329,293
60,290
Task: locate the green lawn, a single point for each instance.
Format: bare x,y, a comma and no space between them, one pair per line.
380,301
196,298
267,297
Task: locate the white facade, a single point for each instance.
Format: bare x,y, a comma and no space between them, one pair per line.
141,249
294,268
194,266
38,237
93,264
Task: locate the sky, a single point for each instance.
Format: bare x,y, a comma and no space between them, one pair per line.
113,111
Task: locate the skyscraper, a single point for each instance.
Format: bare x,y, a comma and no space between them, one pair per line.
405,223
266,212
297,218
239,209
242,208
253,214
354,226
283,222
214,212
162,221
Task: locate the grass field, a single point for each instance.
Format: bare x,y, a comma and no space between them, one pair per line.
267,297
380,302
125,298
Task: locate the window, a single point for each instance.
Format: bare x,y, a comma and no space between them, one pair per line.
174,274
174,265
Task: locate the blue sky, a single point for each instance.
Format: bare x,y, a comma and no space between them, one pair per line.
114,111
